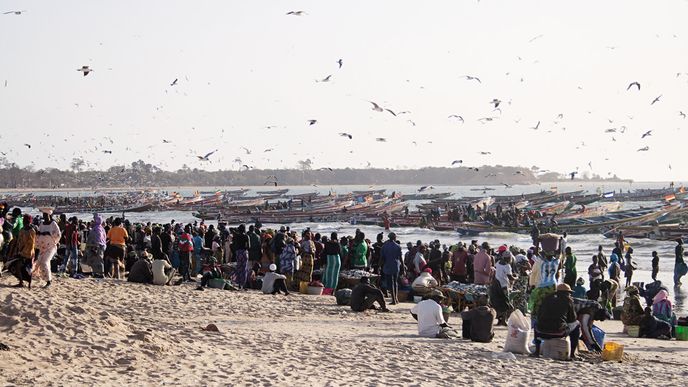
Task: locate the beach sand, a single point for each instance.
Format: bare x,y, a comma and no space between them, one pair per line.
107,332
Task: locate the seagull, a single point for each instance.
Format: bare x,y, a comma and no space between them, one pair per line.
680,113
246,166
636,84
486,119
456,162
458,117
174,82
206,157
297,13
506,185
13,12
423,188
340,63
644,149
391,112
326,168
656,100
519,173
248,151
472,78
268,150
107,151
535,38
164,141
28,145
536,126
648,133
495,102
573,174
346,135
326,79
381,139
376,107
85,70
312,122
411,122
485,153
610,130
590,164
404,112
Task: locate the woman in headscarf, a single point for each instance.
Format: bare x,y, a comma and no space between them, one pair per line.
570,268
95,246
305,272
48,238
333,253
520,288
21,265
288,261
359,252
614,268
663,309
632,308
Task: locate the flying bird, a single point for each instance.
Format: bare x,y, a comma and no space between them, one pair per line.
391,112
506,185
164,141
458,117
536,126
381,139
376,107
425,187
326,79
340,63
268,150
456,162
495,102
485,153
13,12
680,113
312,122
573,174
610,130
535,38
656,100
326,169
107,151
346,135
297,13
648,133
28,145
472,78
248,151
636,84
206,157
644,149
85,70
411,122
174,82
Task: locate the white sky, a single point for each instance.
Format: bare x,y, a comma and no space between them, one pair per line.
243,65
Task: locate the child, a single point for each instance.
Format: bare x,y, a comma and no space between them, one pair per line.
655,265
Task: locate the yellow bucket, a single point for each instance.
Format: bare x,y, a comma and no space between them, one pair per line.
612,351
303,287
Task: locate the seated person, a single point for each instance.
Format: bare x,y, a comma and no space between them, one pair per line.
557,319
632,308
662,308
478,322
364,296
428,313
162,271
424,283
274,283
654,328
579,291
141,271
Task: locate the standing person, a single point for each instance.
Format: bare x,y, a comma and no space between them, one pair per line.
563,243
614,268
435,261
46,243
458,268
241,244
520,299
419,262
629,267
595,271
334,262
25,247
375,258
570,267
255,251
185,249
482,265
197,240
679,265
117,247
392,265
95,246
535,234
601,258
655,265
305,272
71,239
499,290
288,261
359,252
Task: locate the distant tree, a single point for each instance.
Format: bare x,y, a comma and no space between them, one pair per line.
77,164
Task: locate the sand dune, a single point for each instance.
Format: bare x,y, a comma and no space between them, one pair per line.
108,332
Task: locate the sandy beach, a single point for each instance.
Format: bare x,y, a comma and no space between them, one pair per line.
107,332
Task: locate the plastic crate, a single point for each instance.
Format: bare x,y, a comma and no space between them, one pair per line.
612,351
681,333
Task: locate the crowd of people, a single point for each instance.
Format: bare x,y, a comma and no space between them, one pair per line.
542,280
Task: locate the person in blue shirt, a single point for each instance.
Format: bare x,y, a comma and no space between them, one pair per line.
392,265
198,249
579,291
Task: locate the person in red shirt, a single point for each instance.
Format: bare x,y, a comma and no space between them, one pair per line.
185,250
71,239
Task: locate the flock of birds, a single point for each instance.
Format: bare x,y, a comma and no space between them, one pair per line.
496,105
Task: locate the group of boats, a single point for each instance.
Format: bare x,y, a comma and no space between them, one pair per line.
657,213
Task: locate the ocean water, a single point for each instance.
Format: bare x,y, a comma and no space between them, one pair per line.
583,246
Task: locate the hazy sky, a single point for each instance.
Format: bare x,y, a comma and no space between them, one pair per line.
245,65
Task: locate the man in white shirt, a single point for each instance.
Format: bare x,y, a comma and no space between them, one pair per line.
273,282
424,283
428,313
159,268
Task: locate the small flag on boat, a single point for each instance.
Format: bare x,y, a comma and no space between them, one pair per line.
669,197
608,194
